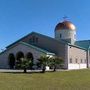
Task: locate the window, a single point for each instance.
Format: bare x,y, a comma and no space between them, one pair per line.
85,61
60,35
34,39
74,36
70,60
76,60
81,61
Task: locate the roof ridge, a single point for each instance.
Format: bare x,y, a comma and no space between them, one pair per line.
63,41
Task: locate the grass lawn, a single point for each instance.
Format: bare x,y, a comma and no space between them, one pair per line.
65,80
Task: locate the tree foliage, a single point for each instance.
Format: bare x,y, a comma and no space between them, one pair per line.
24,64
43,62
55,62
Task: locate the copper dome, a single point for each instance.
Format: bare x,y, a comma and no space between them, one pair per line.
65,25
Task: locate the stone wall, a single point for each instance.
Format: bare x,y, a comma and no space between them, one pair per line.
76,58
15,50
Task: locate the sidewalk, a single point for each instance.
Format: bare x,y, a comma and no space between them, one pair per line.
14,70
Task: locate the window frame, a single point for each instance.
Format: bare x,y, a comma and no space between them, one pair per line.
70,60
60,35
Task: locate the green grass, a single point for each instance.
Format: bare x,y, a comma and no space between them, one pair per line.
66,80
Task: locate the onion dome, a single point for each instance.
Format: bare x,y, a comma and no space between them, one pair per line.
65,25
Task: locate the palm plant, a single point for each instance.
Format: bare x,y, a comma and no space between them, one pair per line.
43,62
25,64
55,61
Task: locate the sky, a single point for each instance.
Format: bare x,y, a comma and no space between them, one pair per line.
20,17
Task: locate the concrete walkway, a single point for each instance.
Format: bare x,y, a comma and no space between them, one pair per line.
10,70
13,70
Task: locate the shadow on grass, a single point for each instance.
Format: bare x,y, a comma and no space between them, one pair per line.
40,72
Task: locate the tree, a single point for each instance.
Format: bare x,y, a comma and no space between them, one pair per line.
43,62
24,64
55,61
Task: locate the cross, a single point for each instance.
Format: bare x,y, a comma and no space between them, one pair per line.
65,18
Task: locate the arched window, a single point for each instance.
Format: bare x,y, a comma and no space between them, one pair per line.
29,56
19,55
11,60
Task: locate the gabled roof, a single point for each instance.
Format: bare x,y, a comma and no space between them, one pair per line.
19,40
35,33
84,44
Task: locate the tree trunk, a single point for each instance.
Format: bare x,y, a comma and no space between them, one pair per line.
54,68
43,70
25,70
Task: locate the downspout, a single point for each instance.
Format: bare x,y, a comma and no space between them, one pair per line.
88,56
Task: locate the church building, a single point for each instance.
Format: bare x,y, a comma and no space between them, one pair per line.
76,54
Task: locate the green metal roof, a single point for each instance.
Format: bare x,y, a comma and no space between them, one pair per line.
37,48
84,44
32,46
18,40
50,38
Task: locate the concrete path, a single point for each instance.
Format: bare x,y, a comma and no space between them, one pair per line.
10,70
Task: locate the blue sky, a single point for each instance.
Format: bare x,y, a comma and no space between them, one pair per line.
20,17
